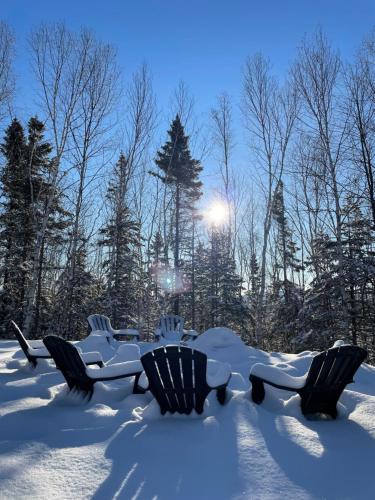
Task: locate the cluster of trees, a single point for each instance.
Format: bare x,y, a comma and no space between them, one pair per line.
98,215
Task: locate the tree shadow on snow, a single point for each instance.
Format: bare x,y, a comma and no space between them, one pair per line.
329,459
171,458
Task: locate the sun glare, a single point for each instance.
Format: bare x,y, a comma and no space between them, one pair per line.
217,214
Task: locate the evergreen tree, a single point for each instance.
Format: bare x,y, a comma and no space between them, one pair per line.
13,220
121,237
26,187
180,172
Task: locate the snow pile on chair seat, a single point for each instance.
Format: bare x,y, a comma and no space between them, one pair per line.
97,342
277,376
126,352
91,357
115,370
217,373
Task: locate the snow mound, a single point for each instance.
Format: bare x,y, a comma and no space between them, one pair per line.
57,444
97,342
124,353
219,337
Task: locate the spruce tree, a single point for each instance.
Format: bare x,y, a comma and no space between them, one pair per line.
180,173
122,240
26,187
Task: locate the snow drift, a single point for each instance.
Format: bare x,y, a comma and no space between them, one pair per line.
54,444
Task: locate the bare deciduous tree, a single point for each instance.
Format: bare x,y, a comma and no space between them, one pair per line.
6,60
270,114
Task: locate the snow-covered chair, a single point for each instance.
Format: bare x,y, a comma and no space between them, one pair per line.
99,322
181,378
81,377
35,350
171,327
321,387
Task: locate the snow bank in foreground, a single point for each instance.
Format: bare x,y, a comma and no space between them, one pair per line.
54,444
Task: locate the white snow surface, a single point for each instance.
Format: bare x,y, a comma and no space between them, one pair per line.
55,444
115,370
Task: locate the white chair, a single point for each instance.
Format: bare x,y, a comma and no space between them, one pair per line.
171,327
101,323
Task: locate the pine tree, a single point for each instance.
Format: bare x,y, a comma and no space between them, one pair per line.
121,237
179,172
359,269
12,220
284,296
26,186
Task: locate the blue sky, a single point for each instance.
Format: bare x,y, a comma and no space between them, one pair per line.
203,42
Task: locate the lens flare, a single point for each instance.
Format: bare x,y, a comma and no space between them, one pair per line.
217,214
170,280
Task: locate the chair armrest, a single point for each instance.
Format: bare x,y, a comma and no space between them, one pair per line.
40,352
218,374
193,334
36,344
277,377
157,333
115,370
143,382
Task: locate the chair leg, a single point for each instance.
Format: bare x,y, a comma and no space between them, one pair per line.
136,388
34,362
221,394
257,391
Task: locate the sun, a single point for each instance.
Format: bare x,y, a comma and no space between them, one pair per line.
217,214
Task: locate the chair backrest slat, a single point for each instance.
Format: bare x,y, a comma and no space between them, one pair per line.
69,361
174,361
177,378
151,367
337,365
328,376
100,322
187,370
200,368
25,346
170,324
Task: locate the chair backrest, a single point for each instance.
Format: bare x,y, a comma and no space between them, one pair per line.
69,361
177,378
99,322
328,376
171,325
25,346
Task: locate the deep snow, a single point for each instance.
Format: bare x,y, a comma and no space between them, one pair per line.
54,444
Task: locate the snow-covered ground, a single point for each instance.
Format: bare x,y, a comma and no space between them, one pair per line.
54,445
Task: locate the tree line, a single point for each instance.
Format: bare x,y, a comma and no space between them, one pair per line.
100,215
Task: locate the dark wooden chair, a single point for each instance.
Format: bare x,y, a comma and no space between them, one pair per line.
329,374
34,353
78,376
177,379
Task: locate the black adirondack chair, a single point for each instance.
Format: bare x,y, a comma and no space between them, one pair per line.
177,379
329,374
32,354
70,362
